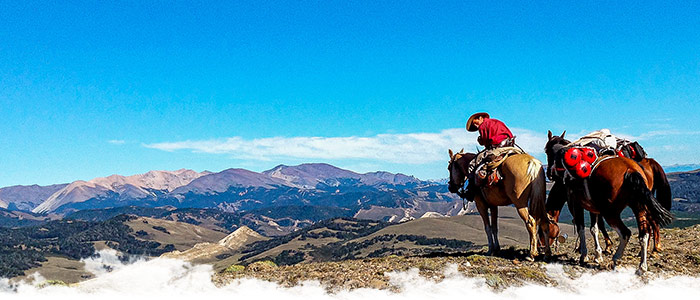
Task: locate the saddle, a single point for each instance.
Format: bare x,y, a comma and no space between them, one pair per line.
488,172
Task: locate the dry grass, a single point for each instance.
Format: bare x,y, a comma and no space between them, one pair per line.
509,268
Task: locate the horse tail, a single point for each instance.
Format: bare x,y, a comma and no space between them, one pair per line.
637,185
538,192
661,185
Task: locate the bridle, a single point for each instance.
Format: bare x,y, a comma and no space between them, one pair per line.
461,191
554,168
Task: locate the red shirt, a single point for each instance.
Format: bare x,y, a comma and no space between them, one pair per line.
493,132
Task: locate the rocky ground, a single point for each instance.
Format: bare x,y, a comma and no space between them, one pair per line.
681,256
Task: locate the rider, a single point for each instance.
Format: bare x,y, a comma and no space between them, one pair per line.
492,134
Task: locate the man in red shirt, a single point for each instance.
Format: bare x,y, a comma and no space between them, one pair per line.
492,134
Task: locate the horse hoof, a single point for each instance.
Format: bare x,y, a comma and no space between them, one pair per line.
530,258
640,272
582,261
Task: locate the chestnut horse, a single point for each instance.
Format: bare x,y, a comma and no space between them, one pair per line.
660,188
523,185
614,184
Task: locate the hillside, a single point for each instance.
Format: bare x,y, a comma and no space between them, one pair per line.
181,235
508,268
13,218
275,221
685,188
211,252
342,239
49,246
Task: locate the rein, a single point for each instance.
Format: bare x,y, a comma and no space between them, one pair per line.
462,191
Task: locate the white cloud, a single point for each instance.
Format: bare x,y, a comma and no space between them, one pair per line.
162,278
409,148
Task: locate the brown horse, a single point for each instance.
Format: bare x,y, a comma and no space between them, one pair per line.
660,188
523,185
614,184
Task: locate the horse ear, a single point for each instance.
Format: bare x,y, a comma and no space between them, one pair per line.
549,134
451,154
461,151
562,134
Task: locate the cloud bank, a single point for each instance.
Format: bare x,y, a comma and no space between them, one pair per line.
173,279
411,148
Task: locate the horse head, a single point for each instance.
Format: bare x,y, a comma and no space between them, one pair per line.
555,143
458,165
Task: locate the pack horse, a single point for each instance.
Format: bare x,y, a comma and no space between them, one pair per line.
605,186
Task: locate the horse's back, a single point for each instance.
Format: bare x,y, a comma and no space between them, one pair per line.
522,166
609,176
615,168
521,169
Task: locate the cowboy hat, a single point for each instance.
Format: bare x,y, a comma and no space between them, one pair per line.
470,122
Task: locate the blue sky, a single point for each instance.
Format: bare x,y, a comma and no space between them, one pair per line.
91,89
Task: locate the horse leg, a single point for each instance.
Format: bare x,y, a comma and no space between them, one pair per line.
645,226
596,241
644,242
657,239
484,213
531,230
494,228
545,231
606,237
622,231
577,213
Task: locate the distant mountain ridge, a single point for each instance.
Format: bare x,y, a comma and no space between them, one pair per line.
135,187
26,197
373,195
681,168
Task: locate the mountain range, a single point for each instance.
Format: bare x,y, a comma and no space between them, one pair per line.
281,199
375,195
